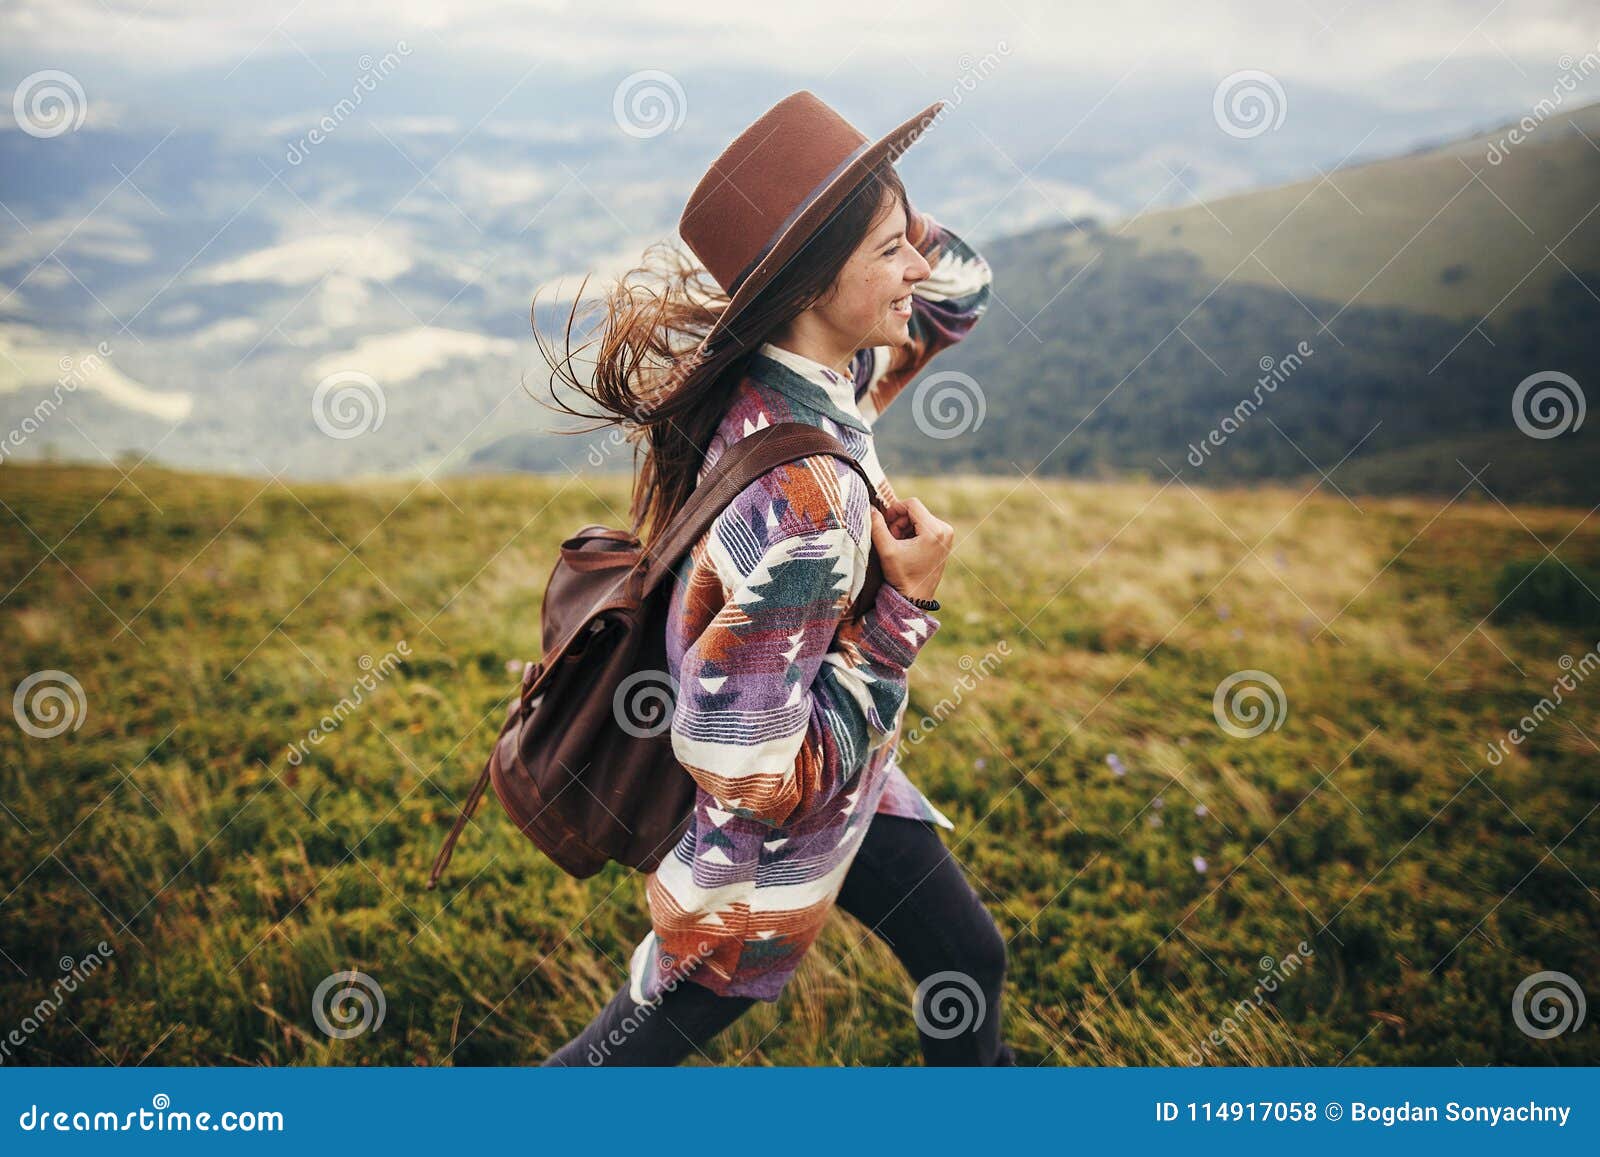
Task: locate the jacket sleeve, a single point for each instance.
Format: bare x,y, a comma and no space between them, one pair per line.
944,307
779,701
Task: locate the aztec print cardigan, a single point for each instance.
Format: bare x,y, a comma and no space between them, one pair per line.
786,716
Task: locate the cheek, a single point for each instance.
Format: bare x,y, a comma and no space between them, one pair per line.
870,295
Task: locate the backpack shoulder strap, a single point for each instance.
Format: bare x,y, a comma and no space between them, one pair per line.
740,465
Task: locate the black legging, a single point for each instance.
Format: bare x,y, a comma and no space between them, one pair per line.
909,890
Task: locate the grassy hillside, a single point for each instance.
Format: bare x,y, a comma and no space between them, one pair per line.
211,623
1105,357
1443,230
1426,289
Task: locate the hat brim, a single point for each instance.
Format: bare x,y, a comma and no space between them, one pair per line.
791,244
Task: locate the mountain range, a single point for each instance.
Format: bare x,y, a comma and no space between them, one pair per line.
1406,324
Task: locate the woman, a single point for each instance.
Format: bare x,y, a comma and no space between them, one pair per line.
787,716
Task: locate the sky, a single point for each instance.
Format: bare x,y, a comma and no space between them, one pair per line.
159,180
1423,52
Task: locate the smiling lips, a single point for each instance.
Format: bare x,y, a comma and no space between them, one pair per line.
901,306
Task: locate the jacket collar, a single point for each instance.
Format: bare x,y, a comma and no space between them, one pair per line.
809,383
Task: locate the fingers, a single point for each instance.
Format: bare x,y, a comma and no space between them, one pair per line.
881,534
895,515
910,518
926,524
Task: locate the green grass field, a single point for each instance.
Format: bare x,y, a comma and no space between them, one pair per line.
212,622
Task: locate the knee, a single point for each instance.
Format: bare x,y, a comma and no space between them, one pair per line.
985,956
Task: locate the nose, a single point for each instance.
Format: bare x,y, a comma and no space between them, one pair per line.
921,270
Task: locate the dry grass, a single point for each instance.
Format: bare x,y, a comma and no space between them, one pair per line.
230,882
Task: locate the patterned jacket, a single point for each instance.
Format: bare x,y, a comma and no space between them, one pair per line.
787,717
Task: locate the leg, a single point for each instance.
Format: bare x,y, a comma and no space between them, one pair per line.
909,890
660,1033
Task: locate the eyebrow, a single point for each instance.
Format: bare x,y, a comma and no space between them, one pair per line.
891,237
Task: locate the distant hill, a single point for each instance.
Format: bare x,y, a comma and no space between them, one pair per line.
1427,287
1459,229
1116,350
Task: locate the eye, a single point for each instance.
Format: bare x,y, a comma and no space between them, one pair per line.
892,250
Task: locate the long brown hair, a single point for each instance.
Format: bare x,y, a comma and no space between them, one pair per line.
655,317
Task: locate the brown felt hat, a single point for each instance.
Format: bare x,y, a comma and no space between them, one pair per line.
763,199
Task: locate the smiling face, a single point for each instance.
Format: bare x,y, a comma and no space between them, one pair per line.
870,301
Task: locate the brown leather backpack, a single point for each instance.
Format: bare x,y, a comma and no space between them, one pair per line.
584,763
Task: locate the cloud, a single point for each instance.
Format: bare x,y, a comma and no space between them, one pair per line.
101,236
25,365
495,185
602,271
1315,40
308,259
231,331
407,354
